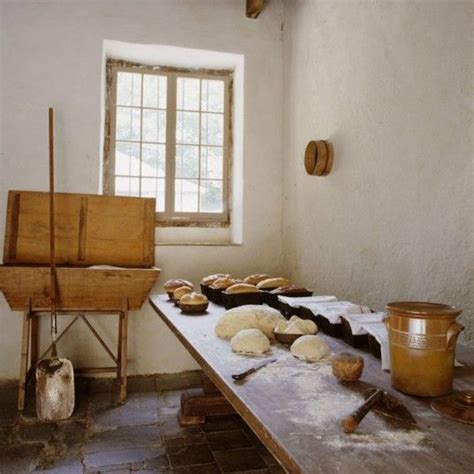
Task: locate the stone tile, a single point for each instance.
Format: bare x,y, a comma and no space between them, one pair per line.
119,457
8,402
70,464
227,439
141,383
140,409
73,435
160,462
170,402
128,437
49,454
205,469
245,459
187,455
19,458
169,427
223,423
36,432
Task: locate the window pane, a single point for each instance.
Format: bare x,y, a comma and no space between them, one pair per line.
129,88
212,98
128,124
186,195
127,159
187,128
187,93
154,91
154,126
211,196
187,161
153,160
126,186
212,162
154,188
212,129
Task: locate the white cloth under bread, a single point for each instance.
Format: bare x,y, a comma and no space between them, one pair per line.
333,311
357,321
300,300
380,333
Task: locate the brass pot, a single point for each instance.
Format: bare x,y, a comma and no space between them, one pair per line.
422,339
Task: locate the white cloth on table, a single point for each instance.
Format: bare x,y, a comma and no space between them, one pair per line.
299,300
333,311
380,333
357,321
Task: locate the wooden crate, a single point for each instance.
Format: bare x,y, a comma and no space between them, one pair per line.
78,289
89,230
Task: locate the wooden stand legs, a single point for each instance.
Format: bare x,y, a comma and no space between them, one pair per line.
29,350
122,351
25,344
198,403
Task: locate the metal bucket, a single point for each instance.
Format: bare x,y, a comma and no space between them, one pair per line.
422,340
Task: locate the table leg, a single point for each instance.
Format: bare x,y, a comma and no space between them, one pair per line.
24,356
123,343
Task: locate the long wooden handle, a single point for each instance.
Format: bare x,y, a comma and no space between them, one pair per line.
52,253
351,422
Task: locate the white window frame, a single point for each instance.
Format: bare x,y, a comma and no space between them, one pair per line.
170,217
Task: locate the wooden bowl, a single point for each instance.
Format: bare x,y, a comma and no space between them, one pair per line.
193,308
286,339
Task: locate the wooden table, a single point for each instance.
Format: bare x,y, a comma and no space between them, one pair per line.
295,408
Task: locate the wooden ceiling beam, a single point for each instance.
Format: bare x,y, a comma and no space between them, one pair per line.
254,8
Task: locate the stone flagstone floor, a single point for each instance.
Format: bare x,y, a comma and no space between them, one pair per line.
142,436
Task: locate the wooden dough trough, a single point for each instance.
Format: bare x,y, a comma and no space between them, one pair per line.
104,264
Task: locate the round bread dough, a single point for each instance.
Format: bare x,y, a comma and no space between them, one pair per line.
248,317
310,348
281,327
295,328
250,341
306,326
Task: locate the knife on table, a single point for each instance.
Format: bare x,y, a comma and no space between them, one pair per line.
253,369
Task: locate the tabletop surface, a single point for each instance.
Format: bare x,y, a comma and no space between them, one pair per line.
296,407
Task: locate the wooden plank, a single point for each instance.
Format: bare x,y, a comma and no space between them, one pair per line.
89,230
287,406
78,289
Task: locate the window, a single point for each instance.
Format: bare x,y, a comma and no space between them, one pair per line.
168,136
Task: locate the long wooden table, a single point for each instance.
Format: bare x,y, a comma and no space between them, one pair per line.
295,408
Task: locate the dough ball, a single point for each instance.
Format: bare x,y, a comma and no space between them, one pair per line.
281,327
248,317
250,341
294,328
310,348
304,326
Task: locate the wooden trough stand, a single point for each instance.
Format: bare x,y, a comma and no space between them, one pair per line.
95,235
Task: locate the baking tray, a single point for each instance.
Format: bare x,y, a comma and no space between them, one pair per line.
333,330
272,300
359,341
240,299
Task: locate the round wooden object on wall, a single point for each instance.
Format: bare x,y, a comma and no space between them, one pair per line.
319,157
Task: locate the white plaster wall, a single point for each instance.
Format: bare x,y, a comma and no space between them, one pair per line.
390,84
52,56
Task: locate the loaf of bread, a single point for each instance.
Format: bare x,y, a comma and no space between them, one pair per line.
288,290
193,299
181,291
272,283
223,283
241,288
256,278
210,279
172,285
